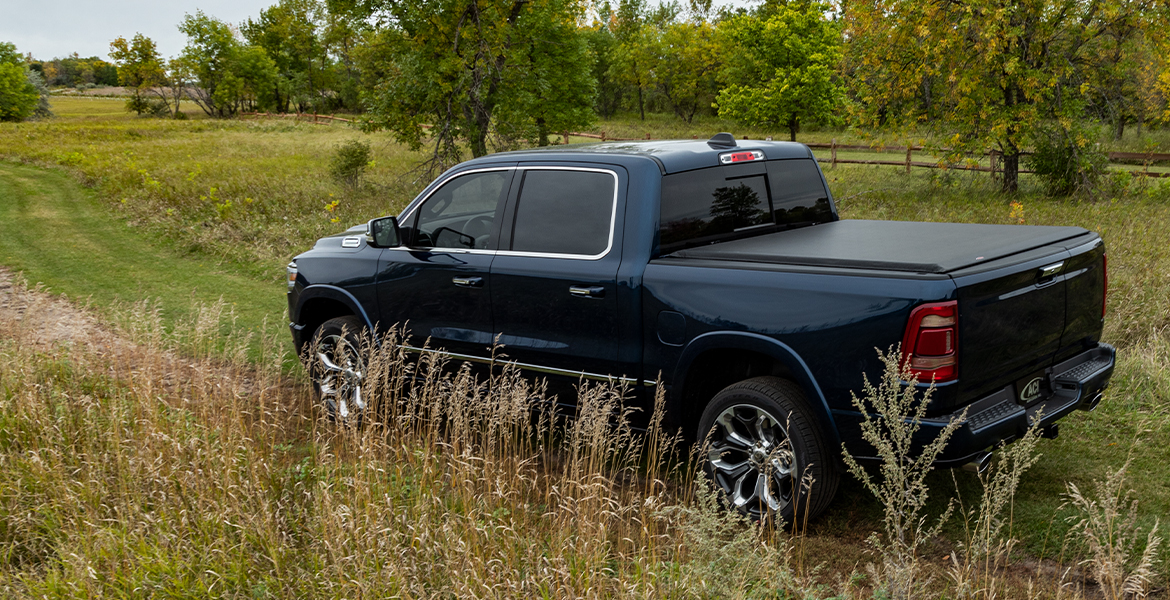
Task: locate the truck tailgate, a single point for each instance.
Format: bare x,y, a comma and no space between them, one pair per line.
1020,315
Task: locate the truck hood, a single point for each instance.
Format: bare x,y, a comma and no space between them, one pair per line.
887,245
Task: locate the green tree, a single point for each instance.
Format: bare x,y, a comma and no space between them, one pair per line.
631,60
603,46
345,27
552,91
288,33
140,68
463,67
685,66
781,69
227,75
18,94
991,72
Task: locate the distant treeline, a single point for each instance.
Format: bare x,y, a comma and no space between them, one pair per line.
493,74
75,71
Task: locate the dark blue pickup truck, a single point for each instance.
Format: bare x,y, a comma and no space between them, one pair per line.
721,271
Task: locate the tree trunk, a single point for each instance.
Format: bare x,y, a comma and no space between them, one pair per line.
1011,171
1120,126
542,132
641,106
793,127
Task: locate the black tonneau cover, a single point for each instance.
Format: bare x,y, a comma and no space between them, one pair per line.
887,245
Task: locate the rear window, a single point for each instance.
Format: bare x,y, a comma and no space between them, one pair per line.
729,202
564,212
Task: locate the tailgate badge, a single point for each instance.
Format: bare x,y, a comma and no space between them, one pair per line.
1031,391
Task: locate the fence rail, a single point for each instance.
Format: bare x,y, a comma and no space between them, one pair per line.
316,118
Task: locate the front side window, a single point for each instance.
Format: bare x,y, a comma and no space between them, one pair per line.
462,213
564,212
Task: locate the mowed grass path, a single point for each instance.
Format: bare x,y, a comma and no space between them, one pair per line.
57,233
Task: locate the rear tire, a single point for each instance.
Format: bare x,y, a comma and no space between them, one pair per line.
337,368
763,445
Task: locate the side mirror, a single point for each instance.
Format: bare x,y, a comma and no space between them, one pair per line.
383,232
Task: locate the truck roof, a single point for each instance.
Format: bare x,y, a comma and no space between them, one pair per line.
672,156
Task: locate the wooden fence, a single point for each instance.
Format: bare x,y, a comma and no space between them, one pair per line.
308,117
994,156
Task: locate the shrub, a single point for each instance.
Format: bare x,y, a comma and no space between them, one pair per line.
1066,161
137,104
18,95
350,160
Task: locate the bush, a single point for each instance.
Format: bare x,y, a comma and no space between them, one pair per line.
1067,162
18,96
137,104
350,160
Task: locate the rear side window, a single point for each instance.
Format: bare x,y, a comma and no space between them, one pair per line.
564,212
798,193
728,202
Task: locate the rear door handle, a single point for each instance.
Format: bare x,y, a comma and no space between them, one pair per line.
584,291
468,282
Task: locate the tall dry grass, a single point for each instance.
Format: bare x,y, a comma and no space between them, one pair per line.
129,468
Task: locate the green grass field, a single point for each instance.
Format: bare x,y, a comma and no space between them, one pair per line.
58,233
111,208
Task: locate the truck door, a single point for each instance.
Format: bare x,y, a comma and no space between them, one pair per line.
555,301
439,283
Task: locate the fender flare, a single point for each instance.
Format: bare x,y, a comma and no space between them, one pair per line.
337,294
754,342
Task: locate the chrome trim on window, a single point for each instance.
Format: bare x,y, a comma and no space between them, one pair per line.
612,215
530,367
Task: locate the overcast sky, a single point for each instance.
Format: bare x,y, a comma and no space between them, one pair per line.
57,28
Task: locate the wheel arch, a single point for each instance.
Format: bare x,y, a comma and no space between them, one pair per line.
715,360
319,303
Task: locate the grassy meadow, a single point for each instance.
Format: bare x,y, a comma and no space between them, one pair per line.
168,468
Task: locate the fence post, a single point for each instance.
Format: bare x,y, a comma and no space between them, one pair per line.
833,150
603,136
909,151
994,161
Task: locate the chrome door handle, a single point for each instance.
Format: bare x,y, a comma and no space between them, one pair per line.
468,282
583,291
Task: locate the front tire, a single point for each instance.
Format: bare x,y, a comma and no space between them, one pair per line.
337,368
765,452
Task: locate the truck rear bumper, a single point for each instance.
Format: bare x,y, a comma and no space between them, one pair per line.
1074,384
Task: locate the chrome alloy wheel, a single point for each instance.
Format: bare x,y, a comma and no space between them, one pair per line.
751,459
339,366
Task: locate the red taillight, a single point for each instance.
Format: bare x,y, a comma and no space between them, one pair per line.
1104,282
930,346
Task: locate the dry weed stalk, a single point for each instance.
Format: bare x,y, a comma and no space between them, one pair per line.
1121,562
975,569
168,464
891,418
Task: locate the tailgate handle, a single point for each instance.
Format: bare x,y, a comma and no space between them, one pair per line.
1050,270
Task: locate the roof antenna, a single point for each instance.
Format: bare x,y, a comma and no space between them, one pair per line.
722,140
